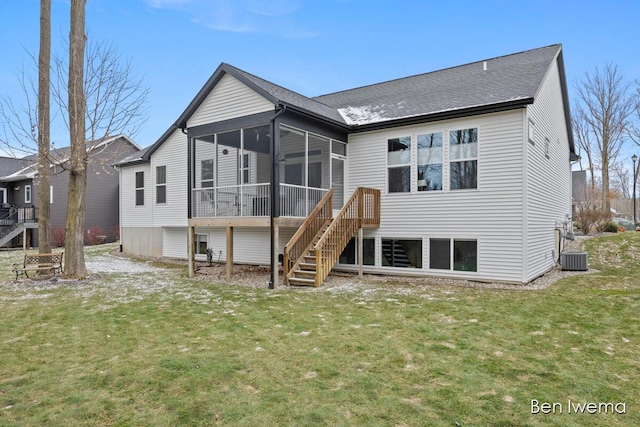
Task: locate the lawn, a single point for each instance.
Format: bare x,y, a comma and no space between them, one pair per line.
147,346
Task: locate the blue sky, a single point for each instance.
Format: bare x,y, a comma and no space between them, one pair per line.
318,47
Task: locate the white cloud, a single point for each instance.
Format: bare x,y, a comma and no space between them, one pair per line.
241,16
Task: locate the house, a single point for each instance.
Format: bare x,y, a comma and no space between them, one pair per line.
19,192
461,173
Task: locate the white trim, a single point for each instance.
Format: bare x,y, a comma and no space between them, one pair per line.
4,195
27,192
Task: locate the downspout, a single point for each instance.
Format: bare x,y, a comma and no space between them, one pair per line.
274,193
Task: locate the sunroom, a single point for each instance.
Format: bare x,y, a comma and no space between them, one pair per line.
232,170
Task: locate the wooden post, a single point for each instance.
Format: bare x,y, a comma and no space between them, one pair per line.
360,250
229,253
191,231
24,239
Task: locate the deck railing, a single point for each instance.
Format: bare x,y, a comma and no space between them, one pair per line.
254,200
302,240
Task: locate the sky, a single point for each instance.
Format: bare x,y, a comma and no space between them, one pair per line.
315,47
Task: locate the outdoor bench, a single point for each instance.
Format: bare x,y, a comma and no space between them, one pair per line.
39,262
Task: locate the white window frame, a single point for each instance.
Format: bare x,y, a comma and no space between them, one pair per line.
409,164
464,159
27,194
138,189
161,184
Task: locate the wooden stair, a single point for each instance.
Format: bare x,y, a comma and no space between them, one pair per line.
315,247
305,274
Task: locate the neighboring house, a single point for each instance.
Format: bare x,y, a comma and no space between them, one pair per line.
468,171
19,191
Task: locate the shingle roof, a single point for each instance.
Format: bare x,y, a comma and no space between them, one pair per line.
281,95
499,83
493,81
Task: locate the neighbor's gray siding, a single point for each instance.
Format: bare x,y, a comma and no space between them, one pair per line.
229,99
492,214
548,188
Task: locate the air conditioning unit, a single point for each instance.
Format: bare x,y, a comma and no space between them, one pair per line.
573,261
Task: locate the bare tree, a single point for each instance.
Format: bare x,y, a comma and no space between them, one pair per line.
44,130
585,144
606,105
77,165
620,180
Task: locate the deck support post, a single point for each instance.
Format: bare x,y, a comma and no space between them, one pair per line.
229,265
191,251
360,250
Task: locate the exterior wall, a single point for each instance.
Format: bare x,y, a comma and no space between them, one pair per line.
250,244
145,241
490,214
548,188
229,99
132,215
173,155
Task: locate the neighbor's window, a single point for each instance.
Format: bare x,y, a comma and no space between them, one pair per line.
399,164
402,253
27,194
206,173
51,194
430,162
463,164
350,253
139,188
201,244
161,184
463,258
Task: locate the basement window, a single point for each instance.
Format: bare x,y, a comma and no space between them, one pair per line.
402,253
350,253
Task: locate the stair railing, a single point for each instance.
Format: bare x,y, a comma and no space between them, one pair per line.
297,246
361,210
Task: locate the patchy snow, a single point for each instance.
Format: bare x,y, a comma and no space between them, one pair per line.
114,264
362,115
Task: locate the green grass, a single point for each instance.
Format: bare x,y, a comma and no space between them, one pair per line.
154,348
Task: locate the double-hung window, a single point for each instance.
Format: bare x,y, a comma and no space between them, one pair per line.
161,184
430,162
139,188
463,159
399,164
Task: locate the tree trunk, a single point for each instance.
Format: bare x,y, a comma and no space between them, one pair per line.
44,67
76,207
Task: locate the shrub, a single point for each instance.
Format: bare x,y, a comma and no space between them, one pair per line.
608,227
94,235
57,236
116,233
